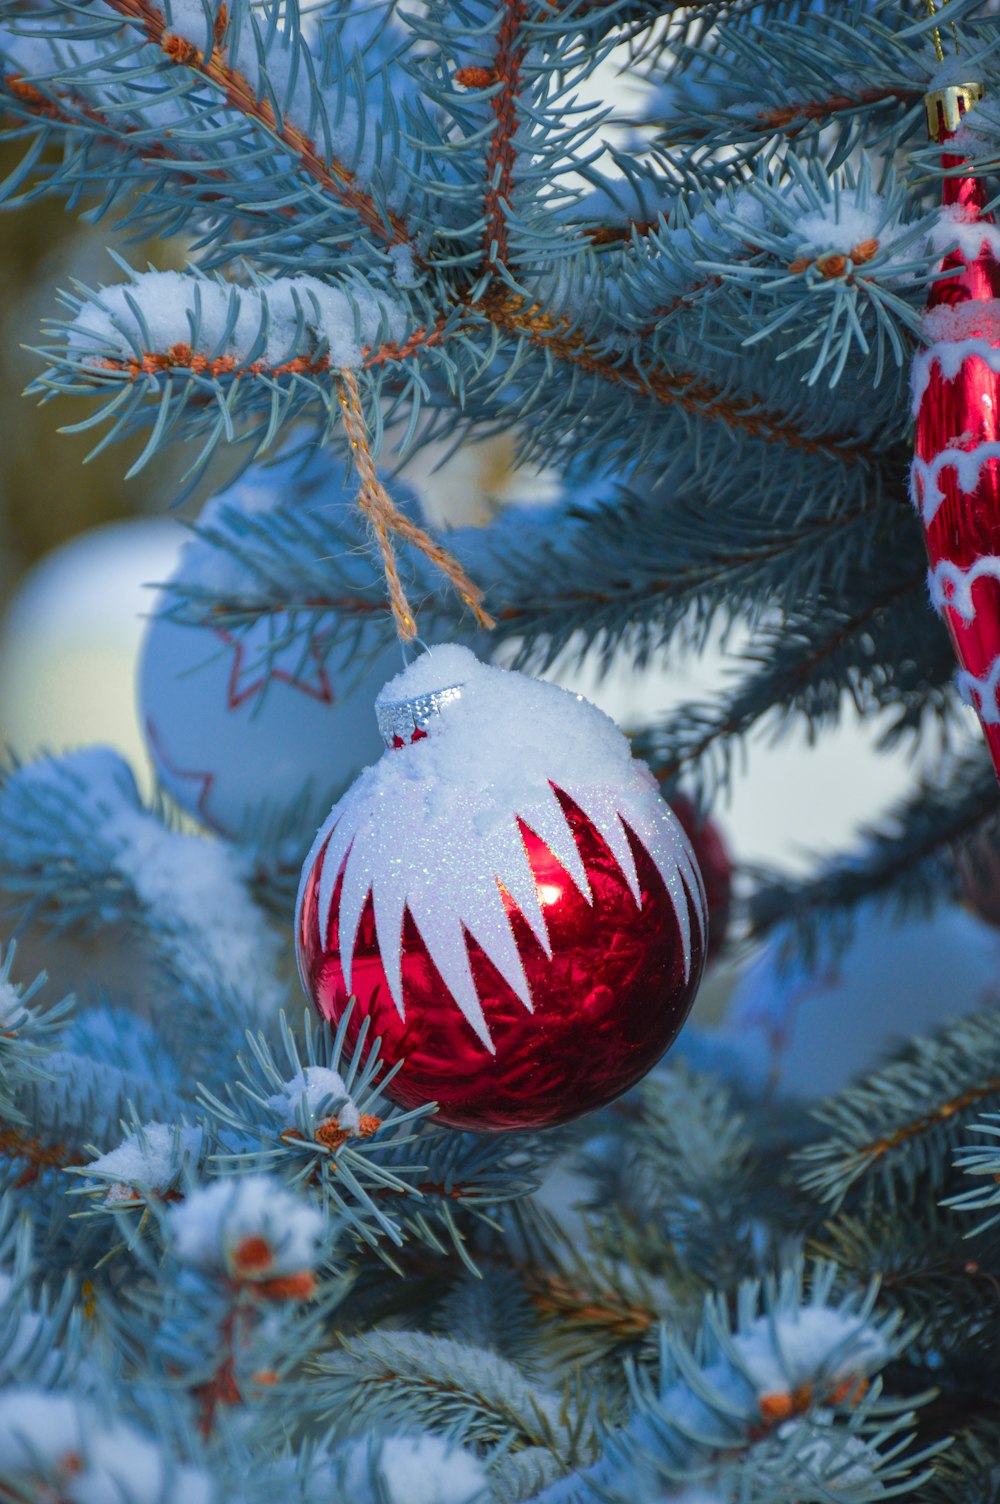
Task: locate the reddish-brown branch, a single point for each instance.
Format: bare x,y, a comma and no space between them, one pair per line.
792,118
692,393
435,1188
332,176
942,1113
795,117
183,357
554,334
502,154
606,1309
36,1155
71,111
619,234
354,605
221,1388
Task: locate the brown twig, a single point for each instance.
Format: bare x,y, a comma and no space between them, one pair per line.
605,1309
183,357
388,522
546,331
942,1113
221,1388
683,389
619,234
69,111
37,1156
332,176
793,118
502,154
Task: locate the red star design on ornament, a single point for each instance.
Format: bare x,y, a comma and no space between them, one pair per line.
183,775
236,694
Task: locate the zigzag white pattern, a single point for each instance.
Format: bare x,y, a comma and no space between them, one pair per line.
981,694
946,573
397,857
433,828
927,496
950,356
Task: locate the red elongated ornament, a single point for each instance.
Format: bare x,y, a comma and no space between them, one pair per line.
510,902
955,480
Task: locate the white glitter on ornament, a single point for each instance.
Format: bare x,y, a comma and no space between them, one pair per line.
433,827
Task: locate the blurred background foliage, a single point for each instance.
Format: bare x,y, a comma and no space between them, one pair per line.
47,493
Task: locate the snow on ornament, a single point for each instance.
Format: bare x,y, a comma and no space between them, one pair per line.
514,908
231,724
956,402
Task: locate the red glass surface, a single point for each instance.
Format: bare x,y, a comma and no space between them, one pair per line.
606,1006
961,414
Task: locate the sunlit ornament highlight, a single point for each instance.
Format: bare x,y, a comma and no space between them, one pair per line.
514,908
955,482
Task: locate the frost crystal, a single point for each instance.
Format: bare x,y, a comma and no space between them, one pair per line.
837,1460
216,1222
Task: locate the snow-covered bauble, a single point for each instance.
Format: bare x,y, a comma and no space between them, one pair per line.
514,908
956,384
233,726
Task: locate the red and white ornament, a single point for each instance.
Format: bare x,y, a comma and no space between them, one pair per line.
514,908
232,725
956,397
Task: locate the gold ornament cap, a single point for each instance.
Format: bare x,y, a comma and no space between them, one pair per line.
946,108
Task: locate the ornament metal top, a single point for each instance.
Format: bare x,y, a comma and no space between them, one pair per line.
955,479
508,899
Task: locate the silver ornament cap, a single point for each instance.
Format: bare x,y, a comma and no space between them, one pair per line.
404,721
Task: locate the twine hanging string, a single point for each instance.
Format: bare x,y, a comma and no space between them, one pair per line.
387,522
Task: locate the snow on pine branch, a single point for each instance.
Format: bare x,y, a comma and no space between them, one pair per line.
218,326
789,1385
148,1163
70,1450
246,1228
26,1031
267,64
407,1470
315,1087
77,837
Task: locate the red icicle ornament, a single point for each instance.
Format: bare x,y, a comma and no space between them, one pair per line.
511,904
955,480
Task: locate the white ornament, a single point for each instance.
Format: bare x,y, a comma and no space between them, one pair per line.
232,725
